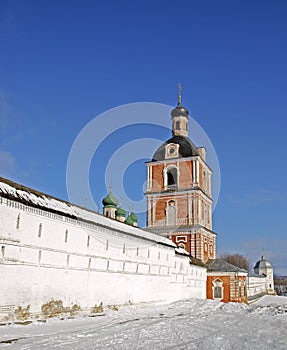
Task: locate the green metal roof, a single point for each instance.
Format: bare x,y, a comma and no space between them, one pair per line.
110,200
129,220
121,212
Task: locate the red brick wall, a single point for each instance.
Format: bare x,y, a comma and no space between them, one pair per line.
181,204
185,177
182,208
228,283
200,176
226,287
160,209
157,177
186,244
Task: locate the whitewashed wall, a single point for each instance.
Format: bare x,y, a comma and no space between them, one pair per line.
256,287
45,255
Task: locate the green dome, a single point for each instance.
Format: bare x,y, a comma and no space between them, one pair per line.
110,201
134,217
129,220
120,212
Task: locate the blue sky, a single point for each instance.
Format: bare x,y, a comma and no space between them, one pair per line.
62,63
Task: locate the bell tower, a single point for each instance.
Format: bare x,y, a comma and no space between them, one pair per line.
178,193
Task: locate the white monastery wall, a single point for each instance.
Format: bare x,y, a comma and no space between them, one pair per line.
48,256
256,287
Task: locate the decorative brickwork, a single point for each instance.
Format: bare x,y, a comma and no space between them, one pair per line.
228,287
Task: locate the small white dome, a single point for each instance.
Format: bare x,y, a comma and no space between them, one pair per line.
262,266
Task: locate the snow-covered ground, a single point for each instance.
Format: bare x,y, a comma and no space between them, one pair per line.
188,324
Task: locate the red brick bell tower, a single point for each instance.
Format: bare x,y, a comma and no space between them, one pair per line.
179,203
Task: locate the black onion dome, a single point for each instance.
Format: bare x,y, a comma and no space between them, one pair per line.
179,111
186,148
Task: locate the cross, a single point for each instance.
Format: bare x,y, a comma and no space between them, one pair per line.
179,94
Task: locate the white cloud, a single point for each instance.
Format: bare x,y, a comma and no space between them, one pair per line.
259,196
7,163
256,245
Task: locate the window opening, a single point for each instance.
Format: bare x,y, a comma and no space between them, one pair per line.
3,252
40,230
217,292
66,236
172,178
18,222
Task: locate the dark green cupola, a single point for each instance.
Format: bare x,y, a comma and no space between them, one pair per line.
110,203
121,214
132,219
110,200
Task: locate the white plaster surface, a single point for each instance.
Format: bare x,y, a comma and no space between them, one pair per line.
120,263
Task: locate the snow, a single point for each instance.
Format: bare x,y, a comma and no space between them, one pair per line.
187,324
181,251
272,300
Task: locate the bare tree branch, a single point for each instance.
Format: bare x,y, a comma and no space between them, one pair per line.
238,260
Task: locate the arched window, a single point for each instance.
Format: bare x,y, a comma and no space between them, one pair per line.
171,214
217,289
177,125
172,177
217,293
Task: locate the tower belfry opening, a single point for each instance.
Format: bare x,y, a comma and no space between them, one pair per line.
172,177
